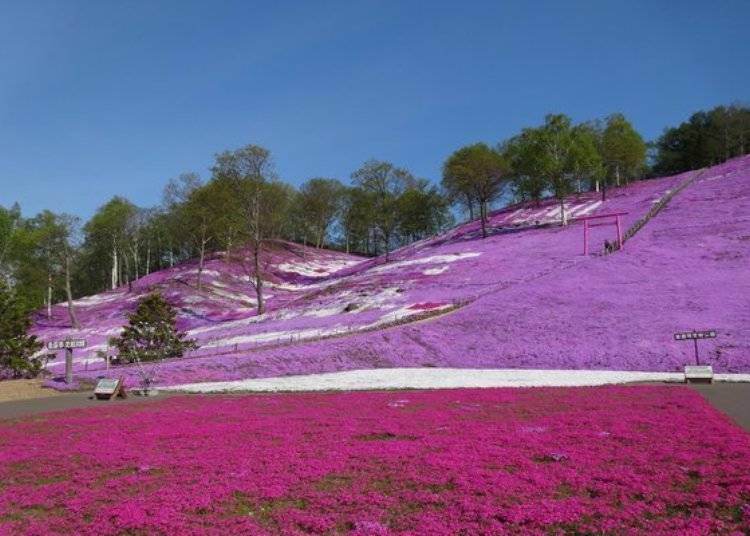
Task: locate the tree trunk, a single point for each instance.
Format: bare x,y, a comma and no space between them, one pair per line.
127,268
200,262
120,279
114,267
617,175
71,310
258,278
227,253
483,219
604,190
148,258
563,219
596,185
49,296
386,240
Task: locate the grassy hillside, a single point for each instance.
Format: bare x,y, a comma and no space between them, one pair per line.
525,297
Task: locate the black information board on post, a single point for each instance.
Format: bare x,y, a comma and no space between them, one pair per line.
695,336
67,345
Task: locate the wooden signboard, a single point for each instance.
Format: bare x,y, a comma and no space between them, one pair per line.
109,388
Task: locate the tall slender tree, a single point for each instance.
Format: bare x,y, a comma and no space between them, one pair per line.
249,172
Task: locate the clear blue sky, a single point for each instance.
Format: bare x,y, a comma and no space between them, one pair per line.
103,98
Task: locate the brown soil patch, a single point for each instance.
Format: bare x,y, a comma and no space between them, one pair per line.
24,390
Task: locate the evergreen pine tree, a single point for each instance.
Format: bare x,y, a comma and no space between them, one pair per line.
151,333
16,346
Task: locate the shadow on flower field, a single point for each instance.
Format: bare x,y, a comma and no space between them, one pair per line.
614,460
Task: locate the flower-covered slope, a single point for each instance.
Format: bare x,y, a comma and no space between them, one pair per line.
525,297
606,460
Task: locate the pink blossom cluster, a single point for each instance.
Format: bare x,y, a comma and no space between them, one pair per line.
605,460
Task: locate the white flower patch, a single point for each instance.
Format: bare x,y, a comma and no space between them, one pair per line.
300,288
585,208
399,314
552,214
434,259
378,300
209,273
436,378
325,311
436,271
236,296
96,299
317,268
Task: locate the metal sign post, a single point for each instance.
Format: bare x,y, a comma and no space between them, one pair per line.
695,336
67,345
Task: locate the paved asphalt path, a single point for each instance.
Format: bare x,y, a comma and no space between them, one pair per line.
731,398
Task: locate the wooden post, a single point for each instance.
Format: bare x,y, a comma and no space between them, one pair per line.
68,365
585,237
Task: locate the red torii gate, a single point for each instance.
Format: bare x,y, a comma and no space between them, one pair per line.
586,225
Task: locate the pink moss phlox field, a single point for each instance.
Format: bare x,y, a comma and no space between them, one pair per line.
526,292
615,460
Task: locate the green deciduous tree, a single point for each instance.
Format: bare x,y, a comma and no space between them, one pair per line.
105,246
623,151
384,183
262,204
356,221
706,138
556,155
207,219
477,173
423,212
151,333
319,202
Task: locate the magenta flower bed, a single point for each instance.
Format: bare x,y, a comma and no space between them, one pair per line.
617,460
